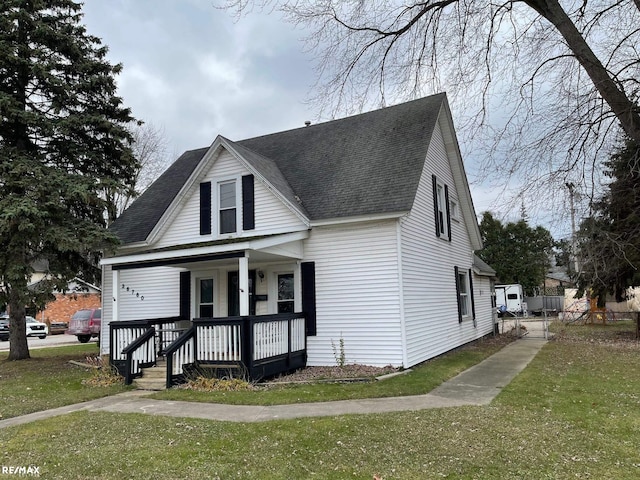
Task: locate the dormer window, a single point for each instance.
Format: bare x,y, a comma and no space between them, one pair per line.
227,206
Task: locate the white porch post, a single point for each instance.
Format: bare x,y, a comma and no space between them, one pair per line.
297,288
115,287
243,274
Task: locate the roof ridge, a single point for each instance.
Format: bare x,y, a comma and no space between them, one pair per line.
348,117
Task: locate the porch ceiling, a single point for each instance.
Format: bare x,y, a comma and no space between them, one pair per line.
264,249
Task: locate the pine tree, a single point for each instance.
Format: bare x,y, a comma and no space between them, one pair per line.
609,240
63,142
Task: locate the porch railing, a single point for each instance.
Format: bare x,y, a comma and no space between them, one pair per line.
180,354
138,354
263,346
136,344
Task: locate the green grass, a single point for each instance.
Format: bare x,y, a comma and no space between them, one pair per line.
574,412
422,379
47,380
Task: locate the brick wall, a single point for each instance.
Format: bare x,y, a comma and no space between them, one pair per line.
66,305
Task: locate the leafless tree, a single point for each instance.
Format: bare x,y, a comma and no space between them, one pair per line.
544,87
150,148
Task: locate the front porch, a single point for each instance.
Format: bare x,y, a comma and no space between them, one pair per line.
259,346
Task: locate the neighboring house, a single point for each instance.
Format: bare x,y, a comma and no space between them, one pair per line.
557,278
365,224
78,295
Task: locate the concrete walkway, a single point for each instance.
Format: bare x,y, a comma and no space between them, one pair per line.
478,385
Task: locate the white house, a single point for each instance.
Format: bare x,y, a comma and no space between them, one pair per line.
365,225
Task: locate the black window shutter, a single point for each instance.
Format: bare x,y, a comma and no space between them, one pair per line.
308,272
436,212
446,201
473,302
248,203
185,295
455,270
205,208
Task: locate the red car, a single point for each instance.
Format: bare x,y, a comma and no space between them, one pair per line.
85,324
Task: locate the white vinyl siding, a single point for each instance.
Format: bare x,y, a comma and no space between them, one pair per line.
429,287
357,294
271,214
148,293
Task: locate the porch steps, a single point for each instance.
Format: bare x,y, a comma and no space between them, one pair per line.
153,378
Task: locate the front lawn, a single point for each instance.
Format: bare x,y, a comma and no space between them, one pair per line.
574,412
47,380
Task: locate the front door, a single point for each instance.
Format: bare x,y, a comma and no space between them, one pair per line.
233,293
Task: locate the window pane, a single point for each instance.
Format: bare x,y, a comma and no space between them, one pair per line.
206,290
464,294
228,221
285,287
462,281
206,311
228,195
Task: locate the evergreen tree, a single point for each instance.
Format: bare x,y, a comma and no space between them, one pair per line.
609,240
63,142
517,252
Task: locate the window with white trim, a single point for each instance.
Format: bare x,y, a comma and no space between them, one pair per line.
205,297
442,209
227,207
285,293
464,298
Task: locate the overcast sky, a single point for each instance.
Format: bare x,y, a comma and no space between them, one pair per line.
195,72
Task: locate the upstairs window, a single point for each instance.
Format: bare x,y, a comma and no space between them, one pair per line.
227,206
441,208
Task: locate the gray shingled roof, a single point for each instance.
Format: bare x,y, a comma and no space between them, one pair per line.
360,165
137,221
483,267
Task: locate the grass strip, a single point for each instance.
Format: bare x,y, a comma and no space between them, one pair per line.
47,380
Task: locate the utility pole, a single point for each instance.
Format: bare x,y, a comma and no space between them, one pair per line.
574,256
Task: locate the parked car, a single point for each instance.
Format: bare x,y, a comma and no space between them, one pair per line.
34,328
85,324
58,327
4,329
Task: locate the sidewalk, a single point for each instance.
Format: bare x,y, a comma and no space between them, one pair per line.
478,385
